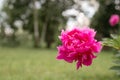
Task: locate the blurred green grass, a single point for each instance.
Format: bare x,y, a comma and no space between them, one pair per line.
41,64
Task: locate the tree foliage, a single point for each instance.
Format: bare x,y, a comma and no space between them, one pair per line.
100,21
49,16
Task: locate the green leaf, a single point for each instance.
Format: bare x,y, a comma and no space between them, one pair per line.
118,73
113,36
117,62
112,42
115,68
117,55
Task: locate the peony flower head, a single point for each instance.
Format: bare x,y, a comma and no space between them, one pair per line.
114,19
78,45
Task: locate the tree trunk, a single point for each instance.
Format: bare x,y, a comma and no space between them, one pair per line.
43,34
48,45
2,31
36,28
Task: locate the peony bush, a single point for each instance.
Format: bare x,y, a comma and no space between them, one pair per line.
114,42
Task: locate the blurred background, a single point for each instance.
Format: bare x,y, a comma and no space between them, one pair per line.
38,23
29,31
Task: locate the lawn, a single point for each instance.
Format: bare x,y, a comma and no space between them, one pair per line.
41,64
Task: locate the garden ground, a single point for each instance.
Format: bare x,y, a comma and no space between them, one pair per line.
41,64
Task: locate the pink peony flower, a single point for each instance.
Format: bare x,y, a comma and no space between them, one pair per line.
114,19
78,45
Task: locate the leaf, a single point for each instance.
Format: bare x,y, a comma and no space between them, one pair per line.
113,36
117,55
115,68
112,42
118,73
117,62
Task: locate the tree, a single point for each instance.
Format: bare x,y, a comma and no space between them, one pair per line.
45,19
51,17
36,26
25,11
100,20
